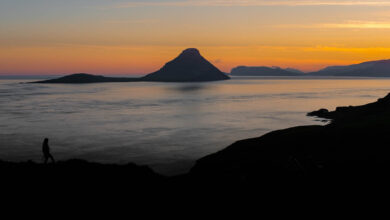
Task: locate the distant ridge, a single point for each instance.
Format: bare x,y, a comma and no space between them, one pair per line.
264,71
380,68
189,66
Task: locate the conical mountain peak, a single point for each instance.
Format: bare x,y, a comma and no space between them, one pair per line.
189,66
191,52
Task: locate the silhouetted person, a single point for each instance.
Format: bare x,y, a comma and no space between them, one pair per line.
46,151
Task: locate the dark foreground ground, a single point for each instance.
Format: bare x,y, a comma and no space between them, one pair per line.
352,152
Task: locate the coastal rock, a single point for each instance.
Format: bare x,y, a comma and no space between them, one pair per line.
349,113
323,113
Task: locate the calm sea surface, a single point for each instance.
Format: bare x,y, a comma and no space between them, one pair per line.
164,125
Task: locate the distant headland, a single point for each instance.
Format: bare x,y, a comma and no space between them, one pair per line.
379,68
189,66
264,71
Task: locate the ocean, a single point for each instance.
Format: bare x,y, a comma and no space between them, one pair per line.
167,126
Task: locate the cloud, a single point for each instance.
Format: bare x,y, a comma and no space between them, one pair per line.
140,21
359,25
344,25
217,61
244,3
346,49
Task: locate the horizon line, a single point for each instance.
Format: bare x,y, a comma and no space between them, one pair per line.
142,74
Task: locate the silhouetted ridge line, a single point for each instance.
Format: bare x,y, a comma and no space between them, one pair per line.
355,146
264,71
78,176
380,68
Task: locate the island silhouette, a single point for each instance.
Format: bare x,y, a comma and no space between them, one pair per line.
189,66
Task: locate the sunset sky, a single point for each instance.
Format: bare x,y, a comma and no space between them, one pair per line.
139,36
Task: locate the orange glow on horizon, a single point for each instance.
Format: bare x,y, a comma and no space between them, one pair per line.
143,60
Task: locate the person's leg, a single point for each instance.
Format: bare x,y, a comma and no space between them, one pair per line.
46,158
52,158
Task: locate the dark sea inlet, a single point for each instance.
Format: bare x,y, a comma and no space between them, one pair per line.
165,125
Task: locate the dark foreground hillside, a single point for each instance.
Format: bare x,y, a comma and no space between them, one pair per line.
77,176
354,147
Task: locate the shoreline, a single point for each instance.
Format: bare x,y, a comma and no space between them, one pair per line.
304,151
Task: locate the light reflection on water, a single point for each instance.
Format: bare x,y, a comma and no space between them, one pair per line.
165,125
